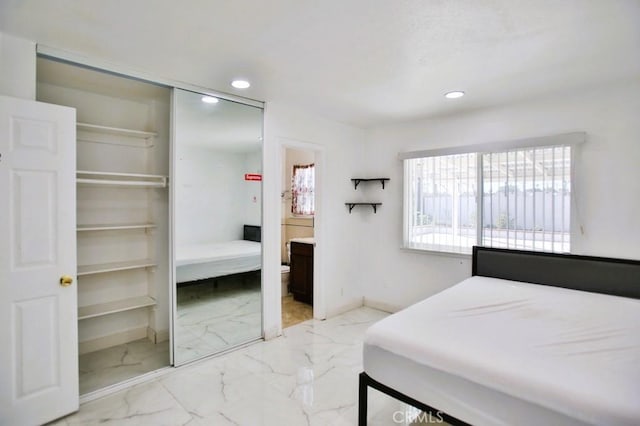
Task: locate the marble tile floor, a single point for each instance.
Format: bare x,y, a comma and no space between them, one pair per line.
294,312
118,363
307,376
209,320
212,318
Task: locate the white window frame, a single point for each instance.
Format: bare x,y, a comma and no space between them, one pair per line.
568,139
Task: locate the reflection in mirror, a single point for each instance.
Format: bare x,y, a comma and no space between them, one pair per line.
218,256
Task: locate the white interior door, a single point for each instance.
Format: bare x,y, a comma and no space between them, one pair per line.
38,315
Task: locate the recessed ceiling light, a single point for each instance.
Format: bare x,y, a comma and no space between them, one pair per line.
454,95
240,84
209,100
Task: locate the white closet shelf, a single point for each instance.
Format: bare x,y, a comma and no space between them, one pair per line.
100,309
120,179
115,135
115,266
114,227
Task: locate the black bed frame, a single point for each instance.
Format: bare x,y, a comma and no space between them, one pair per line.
252,233
617,277
249,233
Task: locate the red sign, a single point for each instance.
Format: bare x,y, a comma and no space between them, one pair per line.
252,176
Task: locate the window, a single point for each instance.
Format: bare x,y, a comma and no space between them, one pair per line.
513,197
442,208
527,199
302,190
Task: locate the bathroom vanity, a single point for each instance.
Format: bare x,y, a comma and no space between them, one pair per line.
301,275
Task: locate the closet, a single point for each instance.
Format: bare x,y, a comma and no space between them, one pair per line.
122,196
88,261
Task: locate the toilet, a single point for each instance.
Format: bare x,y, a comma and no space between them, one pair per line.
284,273
284,279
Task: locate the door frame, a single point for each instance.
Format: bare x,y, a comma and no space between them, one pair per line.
319,302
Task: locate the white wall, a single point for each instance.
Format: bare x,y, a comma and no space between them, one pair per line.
17,67
253,189
212,197
607,182
338,236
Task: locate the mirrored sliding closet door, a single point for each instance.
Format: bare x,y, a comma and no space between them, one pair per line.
217,235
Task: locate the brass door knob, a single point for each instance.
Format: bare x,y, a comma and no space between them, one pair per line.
66,280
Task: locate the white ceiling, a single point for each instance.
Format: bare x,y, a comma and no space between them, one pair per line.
364,62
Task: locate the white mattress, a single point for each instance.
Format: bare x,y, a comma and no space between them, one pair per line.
492,351
210,260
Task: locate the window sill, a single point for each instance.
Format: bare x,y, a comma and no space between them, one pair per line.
437,252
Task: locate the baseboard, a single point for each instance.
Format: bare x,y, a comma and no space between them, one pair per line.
349,306
112,340
157,336
381,306
162,336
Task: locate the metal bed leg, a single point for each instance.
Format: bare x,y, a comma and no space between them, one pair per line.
366,382
362,399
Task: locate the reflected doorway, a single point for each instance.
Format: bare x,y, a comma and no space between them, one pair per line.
298,196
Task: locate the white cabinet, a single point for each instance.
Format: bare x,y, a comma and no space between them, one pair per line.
112,253
122,209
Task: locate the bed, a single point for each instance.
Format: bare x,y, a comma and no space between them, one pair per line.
196,262
531,338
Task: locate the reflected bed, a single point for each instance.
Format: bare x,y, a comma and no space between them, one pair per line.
496,350
202,261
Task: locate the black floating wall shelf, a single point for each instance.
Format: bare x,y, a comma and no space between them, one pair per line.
356,181
352,205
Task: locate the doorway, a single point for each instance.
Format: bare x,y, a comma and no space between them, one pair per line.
299,210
